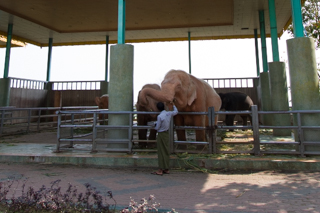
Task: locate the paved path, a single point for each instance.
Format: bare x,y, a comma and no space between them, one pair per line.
186,191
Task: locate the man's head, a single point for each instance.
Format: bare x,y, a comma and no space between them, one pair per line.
160,106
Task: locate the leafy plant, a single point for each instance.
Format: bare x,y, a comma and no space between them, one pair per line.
52,199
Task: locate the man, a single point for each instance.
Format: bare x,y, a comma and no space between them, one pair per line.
162,126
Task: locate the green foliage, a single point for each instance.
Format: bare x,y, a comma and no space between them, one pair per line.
311,20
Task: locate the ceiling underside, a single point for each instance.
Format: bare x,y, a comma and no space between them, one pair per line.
76,22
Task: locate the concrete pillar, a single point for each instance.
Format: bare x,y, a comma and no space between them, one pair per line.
120,90
4,92
104,87
265,97
304,84
279,99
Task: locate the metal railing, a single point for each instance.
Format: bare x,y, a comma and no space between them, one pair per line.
75,85
98,132
27,83
230,82
24,120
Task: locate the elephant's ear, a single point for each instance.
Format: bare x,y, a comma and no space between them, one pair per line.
192,93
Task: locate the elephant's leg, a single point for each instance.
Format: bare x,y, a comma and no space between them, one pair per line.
229,121
244,120
181,134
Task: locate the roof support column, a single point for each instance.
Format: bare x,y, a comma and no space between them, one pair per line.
277,80
120,86
5,81
104,84
121,21
297,18
189,48
49,59
8,49
273,30
264,76
257,51
263,41
303,78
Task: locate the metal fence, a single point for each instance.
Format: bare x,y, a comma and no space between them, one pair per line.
35,119
231,82
97,135
27,83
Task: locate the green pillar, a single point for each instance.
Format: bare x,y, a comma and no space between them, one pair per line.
189,45
4,92
265,97
49,59
107,57
120,90
8,49
305,85
273,30
257,51
263,41
104,84
297,18
5,82
279,100
121,21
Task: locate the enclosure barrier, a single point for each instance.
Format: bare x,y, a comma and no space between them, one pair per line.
24,120
96,136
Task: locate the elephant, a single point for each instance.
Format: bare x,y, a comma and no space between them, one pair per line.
189,94
103,103
143,119
233,101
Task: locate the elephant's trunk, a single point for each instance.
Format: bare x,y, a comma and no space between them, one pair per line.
158,95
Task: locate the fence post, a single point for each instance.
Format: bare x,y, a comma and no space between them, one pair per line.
255,129
38,122
212,135
29,120
58,133
171,136
130,135
300,135
71,131
94,133
2,120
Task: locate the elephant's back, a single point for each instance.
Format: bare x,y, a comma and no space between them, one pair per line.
212,97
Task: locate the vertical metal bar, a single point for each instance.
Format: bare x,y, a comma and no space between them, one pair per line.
8,49
263,41
189,48
107,57
255,129
212,148
58,133
29,120
273,29
130,132
171,137
121,21
38,123
300,135
94,133
2,120
71,131
297,18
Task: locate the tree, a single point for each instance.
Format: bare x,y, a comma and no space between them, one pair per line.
311,20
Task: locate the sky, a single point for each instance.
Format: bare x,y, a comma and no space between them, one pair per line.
209,59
